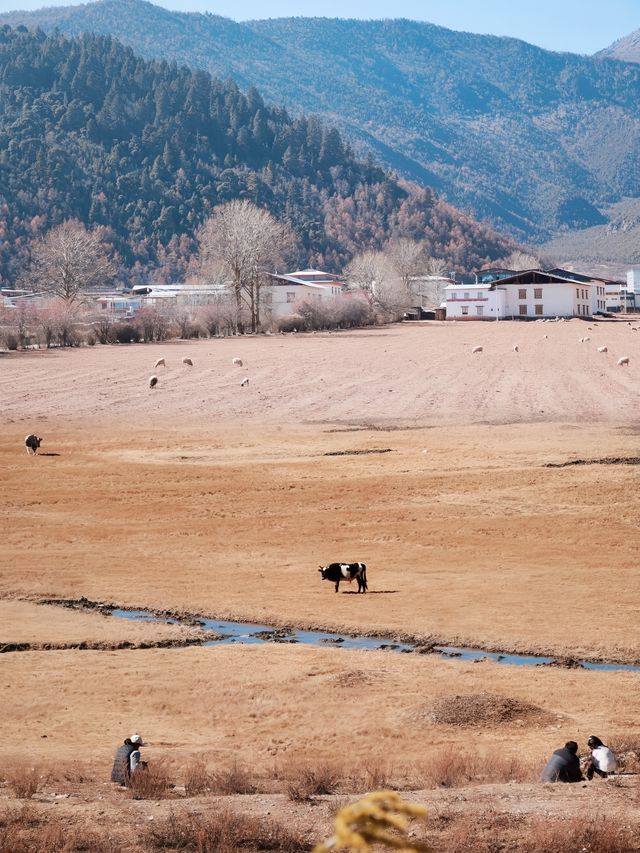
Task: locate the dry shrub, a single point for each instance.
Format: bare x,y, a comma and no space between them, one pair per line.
223,832
591,835
24,832
377,776
307,782
626,748
450,768
233,780
150,783
24,781
236,779
492,833
197,779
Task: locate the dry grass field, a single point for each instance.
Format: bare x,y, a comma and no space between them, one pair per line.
395,446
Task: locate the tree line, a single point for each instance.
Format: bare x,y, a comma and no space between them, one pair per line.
142,153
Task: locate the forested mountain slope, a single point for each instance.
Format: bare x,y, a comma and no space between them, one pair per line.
532,140
147,149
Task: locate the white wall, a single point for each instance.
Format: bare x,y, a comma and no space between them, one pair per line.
557,299
286,299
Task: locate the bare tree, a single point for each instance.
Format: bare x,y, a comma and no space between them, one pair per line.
518,261
240,241
67,261
409,257
376,275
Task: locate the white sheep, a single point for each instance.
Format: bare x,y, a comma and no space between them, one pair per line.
602,349
153,381
237,362
188,361
515,349
623,360
159,363
545,337
244,382
476,349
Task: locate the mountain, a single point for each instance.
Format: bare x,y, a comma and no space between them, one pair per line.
626,49
534,141
617,242
145,150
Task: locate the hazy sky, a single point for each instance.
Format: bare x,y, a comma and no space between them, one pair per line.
580,26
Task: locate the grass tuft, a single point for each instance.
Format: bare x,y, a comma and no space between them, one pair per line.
223,832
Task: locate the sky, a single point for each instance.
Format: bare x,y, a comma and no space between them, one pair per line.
578,26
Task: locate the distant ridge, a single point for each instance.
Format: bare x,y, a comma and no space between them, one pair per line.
626,49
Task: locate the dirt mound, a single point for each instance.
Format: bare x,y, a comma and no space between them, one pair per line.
353,678
476,709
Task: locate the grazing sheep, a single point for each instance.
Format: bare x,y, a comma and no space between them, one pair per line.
237,362
244,382
602,349
623,360
159,363
153,381
545,336
634,329
515,349
476,349
32,443
188,361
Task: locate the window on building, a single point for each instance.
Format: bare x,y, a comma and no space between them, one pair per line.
523,310
522,293
537,293
466,294
578,292
465,309
539,309
291,297
479,310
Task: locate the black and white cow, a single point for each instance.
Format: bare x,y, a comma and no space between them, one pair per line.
32,443
337,572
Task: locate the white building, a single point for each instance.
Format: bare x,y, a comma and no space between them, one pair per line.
125,305
526,295
286,293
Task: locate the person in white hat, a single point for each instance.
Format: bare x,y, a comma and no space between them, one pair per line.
127,760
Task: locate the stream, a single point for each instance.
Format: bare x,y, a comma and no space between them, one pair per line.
249,633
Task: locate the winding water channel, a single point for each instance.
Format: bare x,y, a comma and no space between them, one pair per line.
253,634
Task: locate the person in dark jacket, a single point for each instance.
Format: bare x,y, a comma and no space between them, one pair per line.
564,765
127,760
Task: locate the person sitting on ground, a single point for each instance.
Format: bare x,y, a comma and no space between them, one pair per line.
564,765
127,760
602,760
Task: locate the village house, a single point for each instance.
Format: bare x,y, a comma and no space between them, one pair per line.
526,295
287,292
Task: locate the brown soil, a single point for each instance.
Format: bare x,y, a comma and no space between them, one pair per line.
207,498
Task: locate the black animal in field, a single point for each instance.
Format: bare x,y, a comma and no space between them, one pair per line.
32,443
336,572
